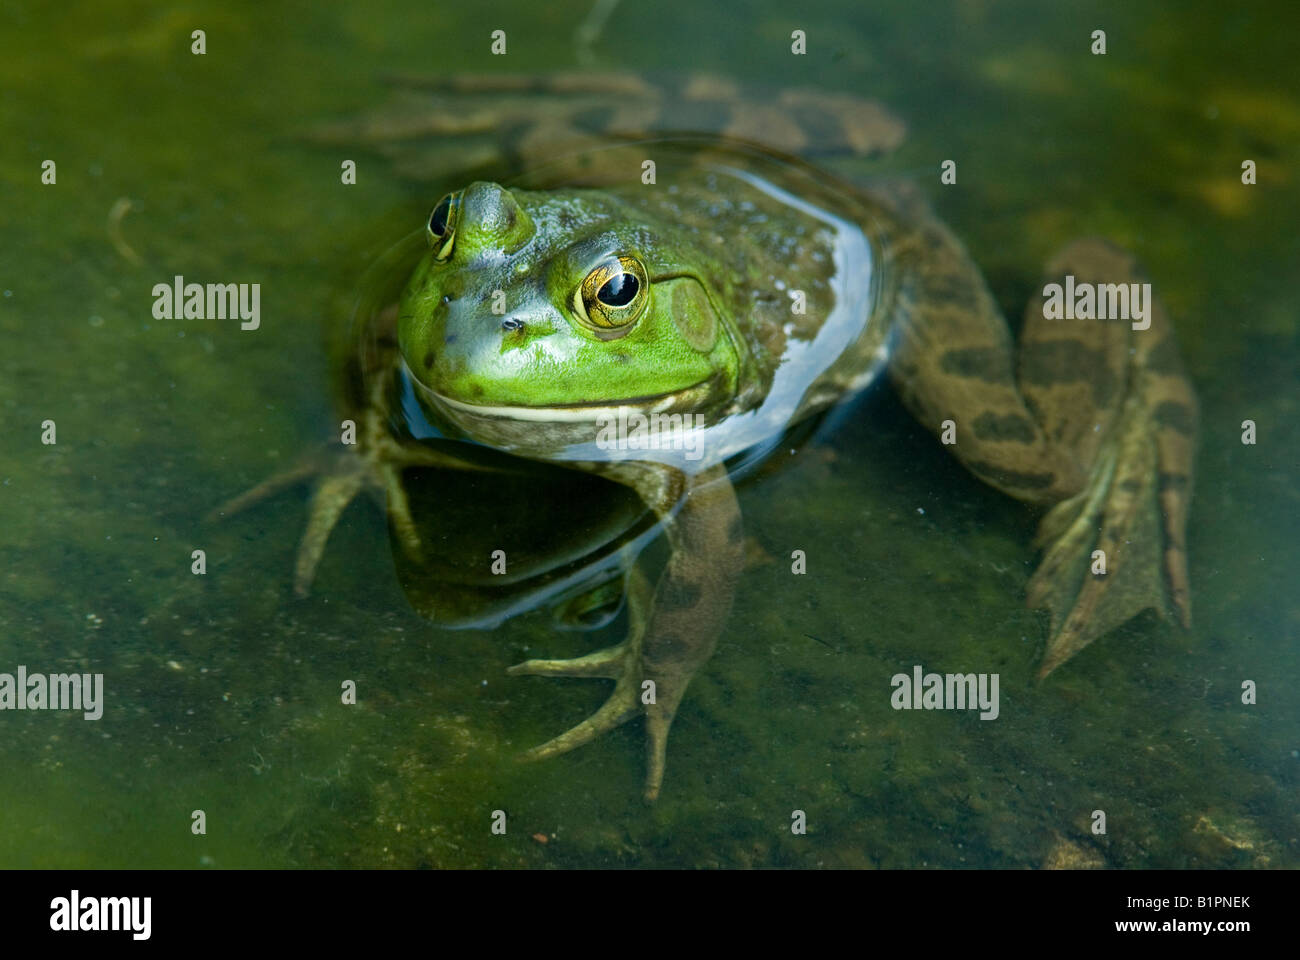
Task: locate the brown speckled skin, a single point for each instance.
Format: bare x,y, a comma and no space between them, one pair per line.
1091,418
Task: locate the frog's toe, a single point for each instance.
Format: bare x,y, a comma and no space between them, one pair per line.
622,705
626,664
1113,550
657,723
399,514
299,473
337,480
623,665
332,494
602,664
379,470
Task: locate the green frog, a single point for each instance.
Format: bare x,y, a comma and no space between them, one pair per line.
655,312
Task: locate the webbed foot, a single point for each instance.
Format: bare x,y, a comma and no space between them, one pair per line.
621,663
672,633
337,478
1098,423
1118,546
374,463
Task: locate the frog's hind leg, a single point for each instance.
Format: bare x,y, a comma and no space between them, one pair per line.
1119,397
951,363
507,123
1098,425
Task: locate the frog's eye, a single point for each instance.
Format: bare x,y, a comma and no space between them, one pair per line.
442,225
613,296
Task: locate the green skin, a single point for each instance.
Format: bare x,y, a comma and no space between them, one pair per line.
721,253
537,250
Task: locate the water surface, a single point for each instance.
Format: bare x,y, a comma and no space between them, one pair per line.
223,690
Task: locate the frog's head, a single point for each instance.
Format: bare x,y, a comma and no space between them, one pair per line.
542,305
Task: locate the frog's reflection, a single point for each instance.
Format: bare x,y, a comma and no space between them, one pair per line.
512,536
503,536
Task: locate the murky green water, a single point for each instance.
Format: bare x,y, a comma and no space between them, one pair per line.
223,690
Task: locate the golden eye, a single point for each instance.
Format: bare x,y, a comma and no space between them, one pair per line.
613,296
442,226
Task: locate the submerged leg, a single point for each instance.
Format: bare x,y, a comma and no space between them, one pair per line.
952,360
620,663
375,463
1099,426
519,121
1119,546
673,633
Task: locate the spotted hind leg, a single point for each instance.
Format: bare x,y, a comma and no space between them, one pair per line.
1097,424
672,632
436,125
1114,391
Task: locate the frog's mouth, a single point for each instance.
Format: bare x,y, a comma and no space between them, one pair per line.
691,398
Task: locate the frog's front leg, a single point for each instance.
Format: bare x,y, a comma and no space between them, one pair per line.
672,633
1098,424
375,464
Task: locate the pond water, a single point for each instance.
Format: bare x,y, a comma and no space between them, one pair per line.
222,691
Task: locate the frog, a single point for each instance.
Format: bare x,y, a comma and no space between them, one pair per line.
729,291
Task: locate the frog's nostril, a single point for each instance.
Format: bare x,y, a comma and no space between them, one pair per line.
510,324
